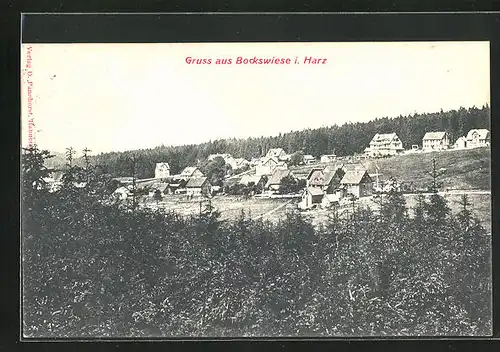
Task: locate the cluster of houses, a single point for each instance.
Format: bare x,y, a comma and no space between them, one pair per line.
327,182
388,144
331,184
190,181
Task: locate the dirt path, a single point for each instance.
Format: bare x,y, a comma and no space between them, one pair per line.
273,210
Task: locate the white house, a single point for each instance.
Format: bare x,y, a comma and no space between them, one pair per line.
223,156
197,186
309,159
277,153
191,171
435,141
461,143
328,158
478,138
122,193
266,166
384,144
162,170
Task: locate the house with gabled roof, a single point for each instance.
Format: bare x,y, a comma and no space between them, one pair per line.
327,179
435,141
256,180
309,159
162,170
197,186
191,171
274,182
357,183
277,153
478,138
162,187
266,166
460,143
384,144
310,197
328,158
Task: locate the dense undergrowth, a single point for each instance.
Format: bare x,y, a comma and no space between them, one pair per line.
94,268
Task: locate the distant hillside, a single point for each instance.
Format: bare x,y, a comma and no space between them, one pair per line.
347,139
465,169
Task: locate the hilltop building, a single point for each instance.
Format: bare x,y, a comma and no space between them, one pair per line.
328,158
384,145
461,143
435,141
198,186
478,138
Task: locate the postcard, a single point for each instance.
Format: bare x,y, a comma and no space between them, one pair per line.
242,190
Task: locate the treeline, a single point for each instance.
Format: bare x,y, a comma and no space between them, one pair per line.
91,268
347,139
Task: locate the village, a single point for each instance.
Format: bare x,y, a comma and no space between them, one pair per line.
322,182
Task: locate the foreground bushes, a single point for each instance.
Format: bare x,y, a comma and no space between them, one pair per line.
94,269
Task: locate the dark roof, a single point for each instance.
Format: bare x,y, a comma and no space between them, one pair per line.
314,169
316,178
276,177
355,177
196,182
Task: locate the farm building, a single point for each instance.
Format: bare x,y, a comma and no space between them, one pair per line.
274,182
478,138
224,156
435,141
384,144
266,166
461,143
328,158
191,171
357,183
277,153
162,170
197,186
311,196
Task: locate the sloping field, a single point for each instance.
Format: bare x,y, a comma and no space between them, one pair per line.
465,169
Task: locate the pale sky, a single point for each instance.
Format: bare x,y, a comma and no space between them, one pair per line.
114,97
